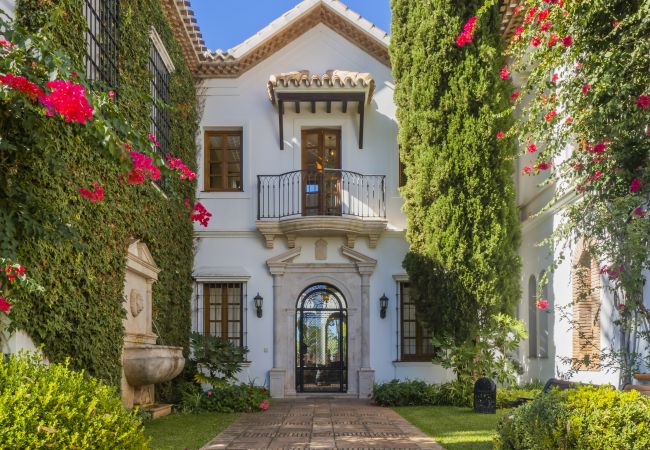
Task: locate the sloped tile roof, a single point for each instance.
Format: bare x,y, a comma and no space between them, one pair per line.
332,79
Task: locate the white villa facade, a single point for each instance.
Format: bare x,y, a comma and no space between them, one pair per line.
302,260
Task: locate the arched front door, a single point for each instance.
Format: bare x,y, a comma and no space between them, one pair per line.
321,340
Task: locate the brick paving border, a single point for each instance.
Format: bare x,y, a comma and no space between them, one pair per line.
324,424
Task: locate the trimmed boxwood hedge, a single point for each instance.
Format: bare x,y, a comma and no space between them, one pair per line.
80,313
587,418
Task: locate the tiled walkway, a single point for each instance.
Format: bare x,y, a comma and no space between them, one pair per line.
322,423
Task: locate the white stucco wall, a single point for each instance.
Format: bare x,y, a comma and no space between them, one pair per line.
8,6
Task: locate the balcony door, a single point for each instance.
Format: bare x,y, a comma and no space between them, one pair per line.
321,176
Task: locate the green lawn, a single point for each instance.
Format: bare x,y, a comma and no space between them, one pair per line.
454,428
181,431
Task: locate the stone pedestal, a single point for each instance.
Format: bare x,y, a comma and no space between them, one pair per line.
277,377
366,382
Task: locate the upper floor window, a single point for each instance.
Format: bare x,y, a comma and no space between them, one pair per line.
415,342
585,282
102,34
160,67
223,160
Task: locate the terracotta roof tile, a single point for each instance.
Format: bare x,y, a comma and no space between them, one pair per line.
332,79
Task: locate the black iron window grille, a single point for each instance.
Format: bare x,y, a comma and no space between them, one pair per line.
160,117
220,310
102,37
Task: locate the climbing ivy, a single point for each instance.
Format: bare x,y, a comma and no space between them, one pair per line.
79,314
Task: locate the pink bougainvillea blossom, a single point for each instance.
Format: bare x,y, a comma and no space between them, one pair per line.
552,40
555,77
530,15
544,165
643,101
200,214
143,168
22,84
185,172
514,96
468,32
595,177
546,25
535,41
599,148
94,195
639,212
567,41
5,306
68,99
7,44
550,115
568,120
500,135
532,148
153,139
543,15
527,170
264,405
505,73
15,271
585,88
542,304
635,186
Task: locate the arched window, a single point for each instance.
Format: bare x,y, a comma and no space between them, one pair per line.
585,282
542,316
532,317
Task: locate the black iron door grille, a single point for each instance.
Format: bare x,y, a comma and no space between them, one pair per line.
321,340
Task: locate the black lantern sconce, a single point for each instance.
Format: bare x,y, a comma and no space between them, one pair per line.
258,299
383,305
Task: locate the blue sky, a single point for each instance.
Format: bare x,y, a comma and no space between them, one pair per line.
226,23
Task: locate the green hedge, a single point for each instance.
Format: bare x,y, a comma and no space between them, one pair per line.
224,398
584,418
419,393
54,407
80,314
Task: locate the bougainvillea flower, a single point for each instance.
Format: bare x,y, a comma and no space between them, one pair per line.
22,84
519,31
264,405
532,148
517,9
500,135
585,88
568,120
143,168
96,195
546,25
514,96
200,214
527,170
69,100
544,165
552,40
639,212
599,148
530,15
6,43
542,304
543,15
5,306
550,115
555,77
635,186
505,73
643,101
567,41
468,32
535,41
185,172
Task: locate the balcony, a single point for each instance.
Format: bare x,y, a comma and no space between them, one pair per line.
321,202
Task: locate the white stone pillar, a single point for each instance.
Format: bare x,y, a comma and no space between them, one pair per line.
365,320
277,374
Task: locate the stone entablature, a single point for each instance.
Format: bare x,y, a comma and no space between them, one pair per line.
348,227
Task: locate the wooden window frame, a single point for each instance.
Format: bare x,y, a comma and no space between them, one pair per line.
419,355
224,171
586,300
224,311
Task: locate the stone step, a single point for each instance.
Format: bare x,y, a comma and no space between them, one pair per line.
158,409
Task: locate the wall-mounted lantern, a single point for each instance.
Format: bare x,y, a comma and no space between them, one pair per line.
383,305
258,299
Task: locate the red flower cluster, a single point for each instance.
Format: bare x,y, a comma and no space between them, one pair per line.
639,212
544,165
551,115
500,135
514,96
527,170
14,272
143,167
598,148
552,40
264,405
5,306
535,41
643,102
185,172
542,304
567,41
153,139
532,148
69,100
6,43
21,84
635,186
468,33
530,15
585,88
200,214
555,77
546,25
612,272
505,73
96,195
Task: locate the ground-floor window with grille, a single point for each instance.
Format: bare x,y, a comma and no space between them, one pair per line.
223,311
415,338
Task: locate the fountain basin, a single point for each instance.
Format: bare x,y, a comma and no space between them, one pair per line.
146,364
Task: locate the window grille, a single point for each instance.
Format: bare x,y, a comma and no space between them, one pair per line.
102,37
160,120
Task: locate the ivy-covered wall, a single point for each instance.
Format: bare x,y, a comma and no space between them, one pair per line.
80,313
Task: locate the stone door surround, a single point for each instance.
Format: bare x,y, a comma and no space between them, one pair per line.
290,279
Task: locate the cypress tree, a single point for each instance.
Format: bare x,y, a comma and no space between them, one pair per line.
462,223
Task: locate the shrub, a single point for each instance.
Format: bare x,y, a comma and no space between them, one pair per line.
219,357
584,418
54,407
405,393
224,398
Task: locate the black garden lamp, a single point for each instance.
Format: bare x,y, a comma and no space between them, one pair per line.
258,299
383,305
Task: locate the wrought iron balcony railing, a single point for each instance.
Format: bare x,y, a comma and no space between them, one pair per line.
327,192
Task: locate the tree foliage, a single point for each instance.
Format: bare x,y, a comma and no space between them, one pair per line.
459,196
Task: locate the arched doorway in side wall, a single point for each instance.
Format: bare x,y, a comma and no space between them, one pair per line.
321,340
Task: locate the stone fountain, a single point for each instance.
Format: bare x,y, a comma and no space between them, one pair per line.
144,363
